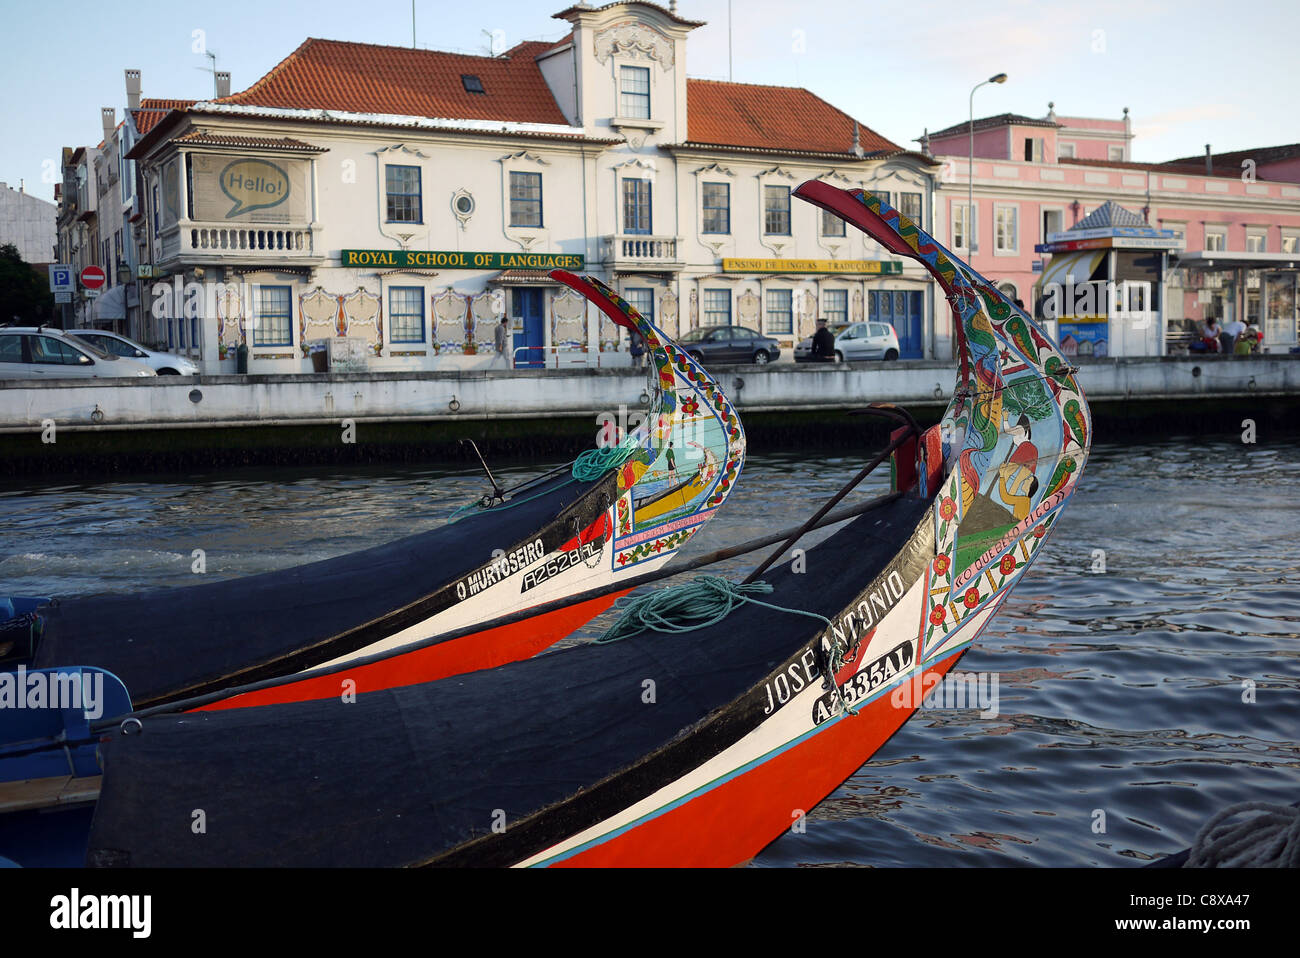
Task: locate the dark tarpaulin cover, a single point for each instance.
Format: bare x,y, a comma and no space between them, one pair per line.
403,775
167,641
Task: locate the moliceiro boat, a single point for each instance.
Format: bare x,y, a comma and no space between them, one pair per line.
563,533
689,748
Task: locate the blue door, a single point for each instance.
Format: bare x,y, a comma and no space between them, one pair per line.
528,342
902,310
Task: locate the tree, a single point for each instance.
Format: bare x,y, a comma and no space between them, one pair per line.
25,297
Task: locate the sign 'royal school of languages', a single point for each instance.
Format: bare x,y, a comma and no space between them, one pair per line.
456,259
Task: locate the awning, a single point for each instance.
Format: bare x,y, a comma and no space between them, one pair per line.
1221,259
522,277
1064,265
111,304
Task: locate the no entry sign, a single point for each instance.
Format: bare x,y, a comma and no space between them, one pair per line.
93,277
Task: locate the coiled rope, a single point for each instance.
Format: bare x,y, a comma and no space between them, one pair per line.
588,467
1269,840
704,601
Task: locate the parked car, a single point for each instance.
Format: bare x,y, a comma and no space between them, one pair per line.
35,352
730,344
855,341
164,364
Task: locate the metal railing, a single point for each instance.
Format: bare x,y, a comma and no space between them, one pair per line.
576,357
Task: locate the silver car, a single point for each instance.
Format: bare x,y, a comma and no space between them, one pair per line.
35,352
164,364
855,341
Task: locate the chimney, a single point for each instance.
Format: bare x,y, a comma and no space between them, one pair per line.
1209,161
223,83
925,142
109,115
857,140
133,89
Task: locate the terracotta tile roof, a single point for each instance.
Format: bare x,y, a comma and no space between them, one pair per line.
367,78
990,122
1263,154
1169,169
775,118
201,138
153,110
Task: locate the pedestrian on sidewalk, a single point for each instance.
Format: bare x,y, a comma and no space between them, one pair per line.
823,344
636,349
502,336
1231,333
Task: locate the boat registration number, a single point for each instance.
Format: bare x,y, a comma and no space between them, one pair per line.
865,681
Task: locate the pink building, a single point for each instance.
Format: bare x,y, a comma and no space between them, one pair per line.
1236,215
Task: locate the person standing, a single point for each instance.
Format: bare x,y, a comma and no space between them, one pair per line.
636,348
1231,333
502,335
823,344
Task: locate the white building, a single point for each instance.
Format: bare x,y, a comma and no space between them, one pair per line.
399,202
27,222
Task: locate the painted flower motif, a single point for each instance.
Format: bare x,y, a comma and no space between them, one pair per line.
1007,565
1040,532
971,598
941,564
937,616
947,508
690,407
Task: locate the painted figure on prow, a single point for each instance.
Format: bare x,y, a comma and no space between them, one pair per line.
1016,479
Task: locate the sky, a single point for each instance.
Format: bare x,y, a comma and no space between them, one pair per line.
1191,72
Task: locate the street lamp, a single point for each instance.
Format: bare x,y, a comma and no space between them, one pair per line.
971,244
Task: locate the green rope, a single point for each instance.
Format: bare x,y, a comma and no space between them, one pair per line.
594,463
704,601
588,467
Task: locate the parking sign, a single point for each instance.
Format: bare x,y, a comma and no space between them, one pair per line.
61,279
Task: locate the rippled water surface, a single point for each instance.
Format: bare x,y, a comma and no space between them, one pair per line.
1140,699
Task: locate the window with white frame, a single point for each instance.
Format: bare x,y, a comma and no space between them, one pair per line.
274,325
961,232
1216,239
1006,235
1256,241
643,300
776,210
909,204
717,307
835,306
406,314
636,206
525,199
779,317
1034,149
1290,243
402,185
1065,151
1115,153
832,225
717,207
1178,229
634,92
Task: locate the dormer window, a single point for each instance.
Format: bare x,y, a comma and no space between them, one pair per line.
634,92
472,83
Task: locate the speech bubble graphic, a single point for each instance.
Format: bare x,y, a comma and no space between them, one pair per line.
253,185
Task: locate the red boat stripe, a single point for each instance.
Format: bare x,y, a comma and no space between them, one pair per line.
594,846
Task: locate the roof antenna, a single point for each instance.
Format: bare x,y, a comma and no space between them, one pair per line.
412,24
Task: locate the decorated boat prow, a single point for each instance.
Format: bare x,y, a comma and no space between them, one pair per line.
685,746
566,532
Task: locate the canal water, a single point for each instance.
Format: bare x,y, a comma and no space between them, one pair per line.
1147,667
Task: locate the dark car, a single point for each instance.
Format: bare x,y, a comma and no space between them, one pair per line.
730,344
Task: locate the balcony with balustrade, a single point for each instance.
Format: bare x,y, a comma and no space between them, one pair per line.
191,243
631,252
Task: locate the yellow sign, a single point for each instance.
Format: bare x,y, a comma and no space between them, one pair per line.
867,266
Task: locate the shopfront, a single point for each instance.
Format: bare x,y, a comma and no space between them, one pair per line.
1259,288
